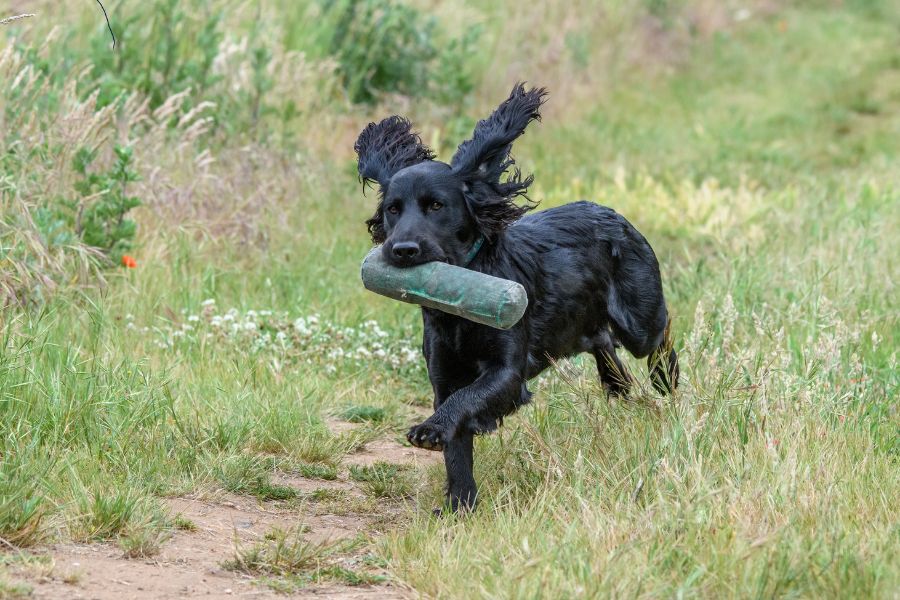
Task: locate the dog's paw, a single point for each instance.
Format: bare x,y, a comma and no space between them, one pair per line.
615,389
428,435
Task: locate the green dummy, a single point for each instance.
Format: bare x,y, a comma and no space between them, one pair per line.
469,294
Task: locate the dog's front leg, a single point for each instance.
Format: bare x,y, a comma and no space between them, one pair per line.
459,461
448,375
494,393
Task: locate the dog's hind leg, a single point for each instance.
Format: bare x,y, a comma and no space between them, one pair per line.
663,366
461,488
614,375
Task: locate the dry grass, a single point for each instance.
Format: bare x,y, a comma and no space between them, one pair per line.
756,158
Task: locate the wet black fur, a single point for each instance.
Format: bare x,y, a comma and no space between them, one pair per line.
593,281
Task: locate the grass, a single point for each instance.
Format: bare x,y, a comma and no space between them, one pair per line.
13,590
250,475
143,542
314,471
286,561
383,480
363,414
757,155
183,523
280,553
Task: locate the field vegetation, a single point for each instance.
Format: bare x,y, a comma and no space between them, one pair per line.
755,144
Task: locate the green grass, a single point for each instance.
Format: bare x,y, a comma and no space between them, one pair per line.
286,561
314,471
383,480
363,414
758,156
10,590
251,475
183,523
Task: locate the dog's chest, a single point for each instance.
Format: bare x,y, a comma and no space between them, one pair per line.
467,342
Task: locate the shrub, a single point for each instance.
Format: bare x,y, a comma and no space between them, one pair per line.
162,51
101,223
98,217
386,46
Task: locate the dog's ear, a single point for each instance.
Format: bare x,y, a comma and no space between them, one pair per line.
485,157
386,147
481,161
383,149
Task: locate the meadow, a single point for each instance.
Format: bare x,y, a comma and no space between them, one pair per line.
240,364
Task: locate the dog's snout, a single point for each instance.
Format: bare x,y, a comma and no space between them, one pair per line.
405,250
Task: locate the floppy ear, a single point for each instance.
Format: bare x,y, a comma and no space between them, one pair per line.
486,156
482,161
383,149
386,147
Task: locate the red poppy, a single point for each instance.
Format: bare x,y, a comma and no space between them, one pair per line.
128,261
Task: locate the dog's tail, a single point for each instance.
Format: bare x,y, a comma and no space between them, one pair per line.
637,308
635,302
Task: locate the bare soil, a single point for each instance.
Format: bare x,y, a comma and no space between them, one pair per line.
189,563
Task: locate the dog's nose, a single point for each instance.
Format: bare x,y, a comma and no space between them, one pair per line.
405,250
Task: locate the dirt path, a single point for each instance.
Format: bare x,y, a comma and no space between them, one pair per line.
189,563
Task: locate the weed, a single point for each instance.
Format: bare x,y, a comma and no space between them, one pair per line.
101,222
387,46
383,480
341,574
771,208
10,590
105,516
22,504
286,561
143,541
363,414
327,494
281,553
317,471
247,474
183,523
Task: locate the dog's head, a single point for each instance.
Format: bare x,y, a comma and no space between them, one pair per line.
429,210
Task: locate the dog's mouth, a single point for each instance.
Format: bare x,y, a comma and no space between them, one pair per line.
402,261
407,263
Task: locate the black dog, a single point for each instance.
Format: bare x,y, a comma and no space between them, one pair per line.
593,281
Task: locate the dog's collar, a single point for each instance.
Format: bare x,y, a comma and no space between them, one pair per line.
474,251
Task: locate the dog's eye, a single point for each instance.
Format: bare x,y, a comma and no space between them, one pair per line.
393,209
435,206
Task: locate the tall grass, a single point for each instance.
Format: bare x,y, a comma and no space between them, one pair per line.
754,145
